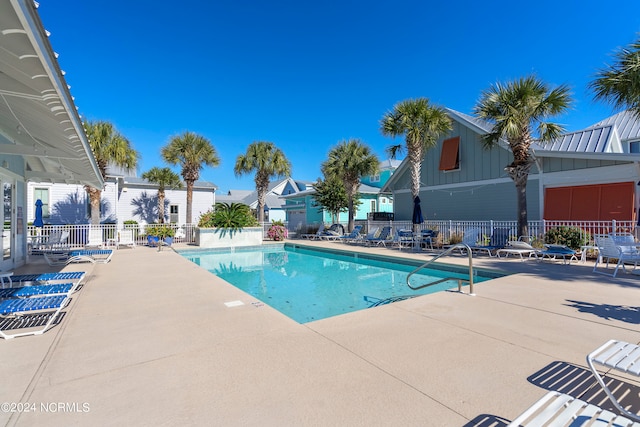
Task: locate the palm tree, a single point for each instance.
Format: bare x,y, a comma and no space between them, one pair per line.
108,147
619,84
350,161
422,124
191,151
267,161
164,177
517,109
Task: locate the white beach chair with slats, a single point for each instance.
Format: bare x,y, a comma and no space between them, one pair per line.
558,409
620,356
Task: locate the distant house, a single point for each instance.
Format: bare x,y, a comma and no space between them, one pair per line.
123,198
585,175
302,208
274,202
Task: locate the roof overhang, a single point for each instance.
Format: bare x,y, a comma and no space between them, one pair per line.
38,119
619,157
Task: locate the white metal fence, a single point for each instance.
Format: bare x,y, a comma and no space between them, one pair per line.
78,234
537,229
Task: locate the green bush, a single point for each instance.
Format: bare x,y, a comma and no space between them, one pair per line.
572,237
225,215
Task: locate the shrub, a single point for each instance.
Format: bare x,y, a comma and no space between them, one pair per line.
225,215
572,237
455,238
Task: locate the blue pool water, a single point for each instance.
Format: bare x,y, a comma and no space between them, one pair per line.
310,284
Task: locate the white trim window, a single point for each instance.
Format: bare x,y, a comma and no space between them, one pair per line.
42,194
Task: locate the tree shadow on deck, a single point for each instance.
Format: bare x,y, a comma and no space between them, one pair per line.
622,313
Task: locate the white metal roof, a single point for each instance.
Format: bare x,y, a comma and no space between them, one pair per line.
38,119
627,124
602,139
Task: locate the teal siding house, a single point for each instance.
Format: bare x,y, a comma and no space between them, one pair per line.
592,174
302,210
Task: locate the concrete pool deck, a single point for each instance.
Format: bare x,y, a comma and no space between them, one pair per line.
149,341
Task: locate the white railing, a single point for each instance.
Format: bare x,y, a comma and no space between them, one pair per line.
79,233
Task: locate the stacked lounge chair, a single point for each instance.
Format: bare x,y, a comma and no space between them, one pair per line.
35,304
384,238
353,236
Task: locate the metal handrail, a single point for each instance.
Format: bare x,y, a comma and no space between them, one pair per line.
448,251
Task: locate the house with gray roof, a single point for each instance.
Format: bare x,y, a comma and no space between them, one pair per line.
274,202
586,175
124,197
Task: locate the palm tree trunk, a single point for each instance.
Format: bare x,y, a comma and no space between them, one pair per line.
353,190
416,166
520,174
189,200
94,202
161,207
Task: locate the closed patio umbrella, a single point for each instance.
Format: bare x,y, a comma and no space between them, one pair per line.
38,220
417,211
416,219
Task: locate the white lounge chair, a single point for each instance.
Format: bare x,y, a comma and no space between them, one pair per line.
609,249
94,238
517,248
125,238
101,256
558,409
619,356
333,233
313,236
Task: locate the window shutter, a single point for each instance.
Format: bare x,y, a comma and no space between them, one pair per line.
449,157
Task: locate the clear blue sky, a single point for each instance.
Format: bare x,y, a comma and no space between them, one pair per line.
305,75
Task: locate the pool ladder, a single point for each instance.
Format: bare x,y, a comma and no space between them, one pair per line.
460,281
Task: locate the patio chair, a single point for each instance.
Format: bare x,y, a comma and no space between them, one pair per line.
554,252
623,252
519,248
354,235
618,356
558,409
469,238
427,237
499,238
384,237
403,239
13,312
125,238
57,240
94,238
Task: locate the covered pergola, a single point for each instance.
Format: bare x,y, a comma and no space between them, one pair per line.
41,134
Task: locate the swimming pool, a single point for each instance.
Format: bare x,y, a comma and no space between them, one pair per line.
308,284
